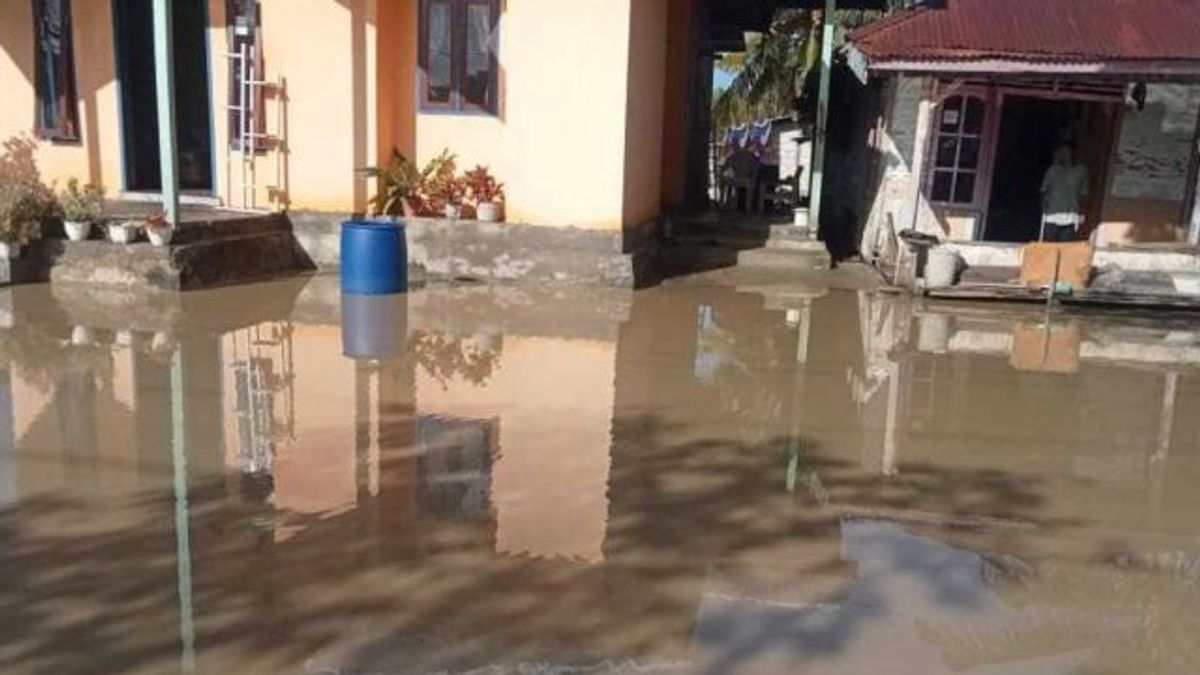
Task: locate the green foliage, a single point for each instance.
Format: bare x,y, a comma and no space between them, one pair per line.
82,204
481,186
25,202
397,182
777,74
401,181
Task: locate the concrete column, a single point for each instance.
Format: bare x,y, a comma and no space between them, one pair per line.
164,77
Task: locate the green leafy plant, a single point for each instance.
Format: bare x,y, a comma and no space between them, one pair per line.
82,204
442,186
403,188
482,187
398,186
25,202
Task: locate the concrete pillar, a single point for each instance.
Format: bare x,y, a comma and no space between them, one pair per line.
164,74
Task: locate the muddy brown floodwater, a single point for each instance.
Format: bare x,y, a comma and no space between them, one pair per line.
696,478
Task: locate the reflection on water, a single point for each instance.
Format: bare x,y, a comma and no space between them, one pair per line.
686,479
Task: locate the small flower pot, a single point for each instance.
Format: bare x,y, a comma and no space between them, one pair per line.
10,251
122,233
488,212
160,236
452,211
77,230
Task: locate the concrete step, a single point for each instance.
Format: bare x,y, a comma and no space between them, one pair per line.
808,245
791,232
775,258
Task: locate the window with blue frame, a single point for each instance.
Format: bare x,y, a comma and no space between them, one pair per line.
459,71
57,113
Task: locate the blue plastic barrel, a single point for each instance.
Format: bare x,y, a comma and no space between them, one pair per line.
374,258
374,327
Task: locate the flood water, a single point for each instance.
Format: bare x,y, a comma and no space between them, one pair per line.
688,479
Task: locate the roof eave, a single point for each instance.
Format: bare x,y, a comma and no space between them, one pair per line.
1099,69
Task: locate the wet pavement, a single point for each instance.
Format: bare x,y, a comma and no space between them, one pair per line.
716,476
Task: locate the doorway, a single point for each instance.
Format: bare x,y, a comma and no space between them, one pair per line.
134,35
1030,130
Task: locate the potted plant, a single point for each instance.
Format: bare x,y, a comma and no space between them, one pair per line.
442,191
123,231
449,190
486,193
24,206
398,187
158,230
81,207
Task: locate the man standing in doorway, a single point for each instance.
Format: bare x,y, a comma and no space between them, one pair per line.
1063,190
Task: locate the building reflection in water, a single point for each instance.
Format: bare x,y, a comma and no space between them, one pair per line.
690,476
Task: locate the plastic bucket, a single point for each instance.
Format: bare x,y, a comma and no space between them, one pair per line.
374,258
942,268
374,326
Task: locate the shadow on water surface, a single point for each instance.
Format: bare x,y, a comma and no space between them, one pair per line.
711,481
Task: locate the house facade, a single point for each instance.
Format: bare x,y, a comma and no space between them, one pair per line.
977,94
586,110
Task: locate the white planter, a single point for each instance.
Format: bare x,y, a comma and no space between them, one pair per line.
77,230
942,268
10,251
160,236
488,212
122,233
452,211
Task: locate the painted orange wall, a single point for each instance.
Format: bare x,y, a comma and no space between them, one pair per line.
326,52
579,140
645,104
558,141
97,158
682,52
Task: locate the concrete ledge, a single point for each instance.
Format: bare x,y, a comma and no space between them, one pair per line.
1129,259
200,264
444,249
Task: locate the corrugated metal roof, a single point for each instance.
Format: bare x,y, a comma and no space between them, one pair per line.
1038,30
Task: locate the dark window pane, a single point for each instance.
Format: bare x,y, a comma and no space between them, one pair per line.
947,152
439,72
951,114
57,110
968,158
973,123
943,181
479,84
964,188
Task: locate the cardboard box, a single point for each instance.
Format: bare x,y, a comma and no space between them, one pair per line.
1074,264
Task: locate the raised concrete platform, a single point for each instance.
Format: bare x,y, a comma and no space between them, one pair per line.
445,249
210,248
